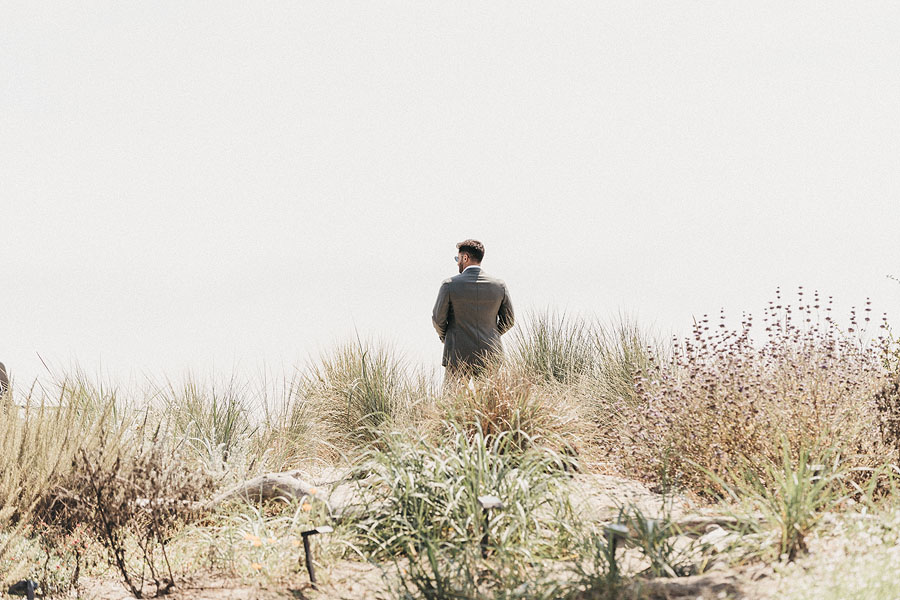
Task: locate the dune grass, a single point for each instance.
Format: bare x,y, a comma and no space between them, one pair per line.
39,442
719,414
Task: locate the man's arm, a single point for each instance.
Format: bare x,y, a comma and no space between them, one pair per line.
505,316
440,315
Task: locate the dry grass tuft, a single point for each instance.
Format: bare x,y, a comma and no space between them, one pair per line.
38,443
359,390
504,402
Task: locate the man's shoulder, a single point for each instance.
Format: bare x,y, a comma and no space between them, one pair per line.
486,277
470,276
464,276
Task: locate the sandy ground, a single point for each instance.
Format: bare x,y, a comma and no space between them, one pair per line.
598,497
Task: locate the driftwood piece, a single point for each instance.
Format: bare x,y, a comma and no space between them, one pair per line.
700,525
711,585
691,526
270,486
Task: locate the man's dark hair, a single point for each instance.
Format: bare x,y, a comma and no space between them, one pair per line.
473,248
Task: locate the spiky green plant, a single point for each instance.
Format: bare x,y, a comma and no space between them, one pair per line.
429,514
657,539
791,495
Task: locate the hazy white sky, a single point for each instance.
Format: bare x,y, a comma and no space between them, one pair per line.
209,184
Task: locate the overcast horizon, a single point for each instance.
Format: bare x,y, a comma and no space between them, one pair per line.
212,187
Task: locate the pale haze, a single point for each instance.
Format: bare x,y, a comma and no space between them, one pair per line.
219,187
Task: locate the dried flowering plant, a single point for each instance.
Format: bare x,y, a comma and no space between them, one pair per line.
725,396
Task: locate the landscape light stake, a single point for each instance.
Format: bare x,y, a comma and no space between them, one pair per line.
307,550
26,587
614,533
487,503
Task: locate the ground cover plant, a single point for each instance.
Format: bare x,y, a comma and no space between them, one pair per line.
784,431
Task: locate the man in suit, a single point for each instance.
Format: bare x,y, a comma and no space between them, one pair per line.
471,313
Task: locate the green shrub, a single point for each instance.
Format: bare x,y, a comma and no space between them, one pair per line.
428,516
791,495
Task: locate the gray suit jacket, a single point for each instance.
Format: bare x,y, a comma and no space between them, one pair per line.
471,313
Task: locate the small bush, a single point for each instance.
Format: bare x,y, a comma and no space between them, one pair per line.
129,493
723,397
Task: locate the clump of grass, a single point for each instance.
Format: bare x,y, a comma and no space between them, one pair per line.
359,390
293,432
594,364
214,417
553,347
503,402
429,517
723,396
625,353
38,444
791,495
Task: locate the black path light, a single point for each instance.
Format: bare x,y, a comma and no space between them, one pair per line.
614,533
307,550
487,503
26,587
